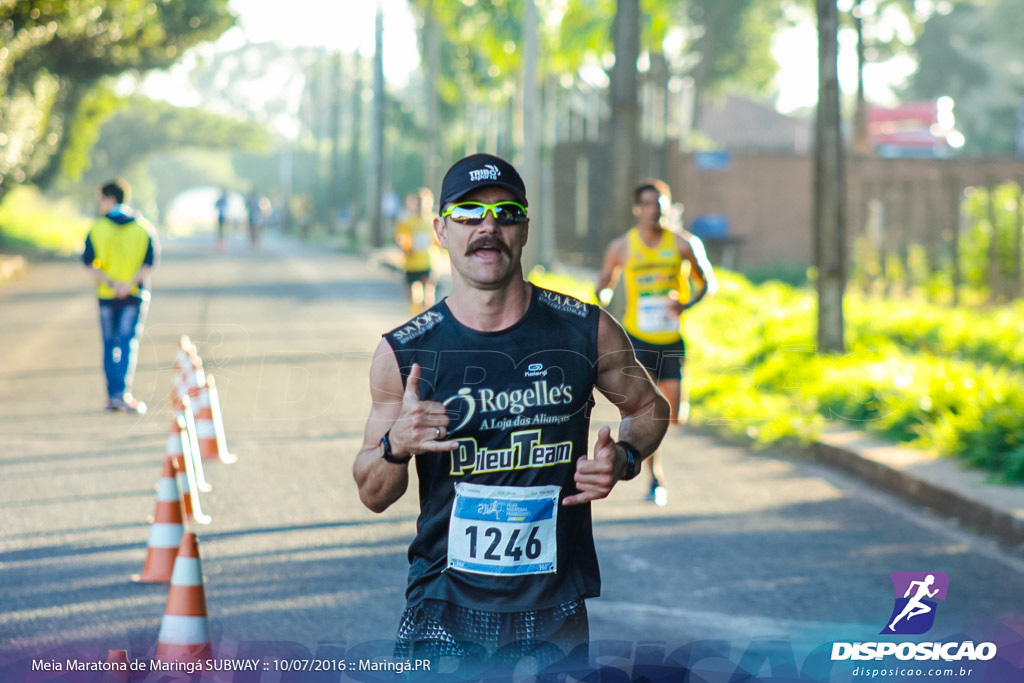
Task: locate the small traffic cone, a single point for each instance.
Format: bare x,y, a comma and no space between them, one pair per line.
175,450
166,530
188,372
185,630
193,445
206,434
185,349
218,423
209,422
185,465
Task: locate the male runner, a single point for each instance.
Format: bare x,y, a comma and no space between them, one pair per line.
489,392
652,256
415,237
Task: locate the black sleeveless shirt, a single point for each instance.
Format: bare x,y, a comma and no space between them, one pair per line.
519,401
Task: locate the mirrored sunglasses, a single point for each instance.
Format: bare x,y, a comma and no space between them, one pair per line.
473,213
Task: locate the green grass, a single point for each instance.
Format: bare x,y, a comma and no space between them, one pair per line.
914,373
31,222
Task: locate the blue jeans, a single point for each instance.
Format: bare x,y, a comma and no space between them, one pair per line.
121,323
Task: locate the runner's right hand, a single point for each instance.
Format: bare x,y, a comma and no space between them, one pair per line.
421,425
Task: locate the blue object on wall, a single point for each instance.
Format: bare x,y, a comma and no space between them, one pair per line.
719,160
710,226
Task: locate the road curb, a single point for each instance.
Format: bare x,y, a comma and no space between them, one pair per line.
938,483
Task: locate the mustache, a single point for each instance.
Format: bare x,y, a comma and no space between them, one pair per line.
488,242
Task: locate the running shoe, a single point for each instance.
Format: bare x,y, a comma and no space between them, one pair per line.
660,496
657,495
128,404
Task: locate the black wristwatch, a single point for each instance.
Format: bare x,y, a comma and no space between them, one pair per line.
385,451
634,460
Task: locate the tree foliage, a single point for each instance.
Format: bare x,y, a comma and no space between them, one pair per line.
717,42
974,54
53,53
142,127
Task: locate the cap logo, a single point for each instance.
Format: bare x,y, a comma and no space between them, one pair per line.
488,172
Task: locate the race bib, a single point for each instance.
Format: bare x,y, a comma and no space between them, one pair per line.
504,530
421,241
655,315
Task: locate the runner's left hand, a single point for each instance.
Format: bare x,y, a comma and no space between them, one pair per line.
596,476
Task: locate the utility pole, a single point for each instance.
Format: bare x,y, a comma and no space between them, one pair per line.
829,186
353,185
530,143
334,193
861,137
377,142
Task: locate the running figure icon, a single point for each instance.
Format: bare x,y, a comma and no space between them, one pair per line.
915,606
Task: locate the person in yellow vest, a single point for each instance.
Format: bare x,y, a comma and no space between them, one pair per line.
120,253
415,236
666,272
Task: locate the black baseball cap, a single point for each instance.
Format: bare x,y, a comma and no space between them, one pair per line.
480,170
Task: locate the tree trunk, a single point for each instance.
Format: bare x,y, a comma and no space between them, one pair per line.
624,137
432,61
829,187
354,195
334,193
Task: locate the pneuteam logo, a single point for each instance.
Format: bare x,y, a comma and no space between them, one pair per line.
913,613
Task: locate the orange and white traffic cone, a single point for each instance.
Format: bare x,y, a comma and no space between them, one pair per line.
185,630
218,423
179,448
185,463
188,374
176,451
209,422
193,445
166,530
184,356
206,435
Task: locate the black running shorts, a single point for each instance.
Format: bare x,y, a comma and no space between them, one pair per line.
664,362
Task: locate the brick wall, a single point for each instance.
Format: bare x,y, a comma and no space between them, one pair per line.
768,199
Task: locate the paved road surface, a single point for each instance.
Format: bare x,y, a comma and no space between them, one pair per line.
766,554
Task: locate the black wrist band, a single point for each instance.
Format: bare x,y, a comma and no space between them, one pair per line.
385,451
634,460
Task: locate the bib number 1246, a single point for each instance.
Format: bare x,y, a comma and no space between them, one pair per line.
531,548
503,530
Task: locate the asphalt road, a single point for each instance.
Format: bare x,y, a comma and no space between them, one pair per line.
774,558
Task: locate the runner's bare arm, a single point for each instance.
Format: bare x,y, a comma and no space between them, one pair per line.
614,257
692,250
412,426
644,411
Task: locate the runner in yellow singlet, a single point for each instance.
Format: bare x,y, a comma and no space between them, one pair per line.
415,236
658,264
